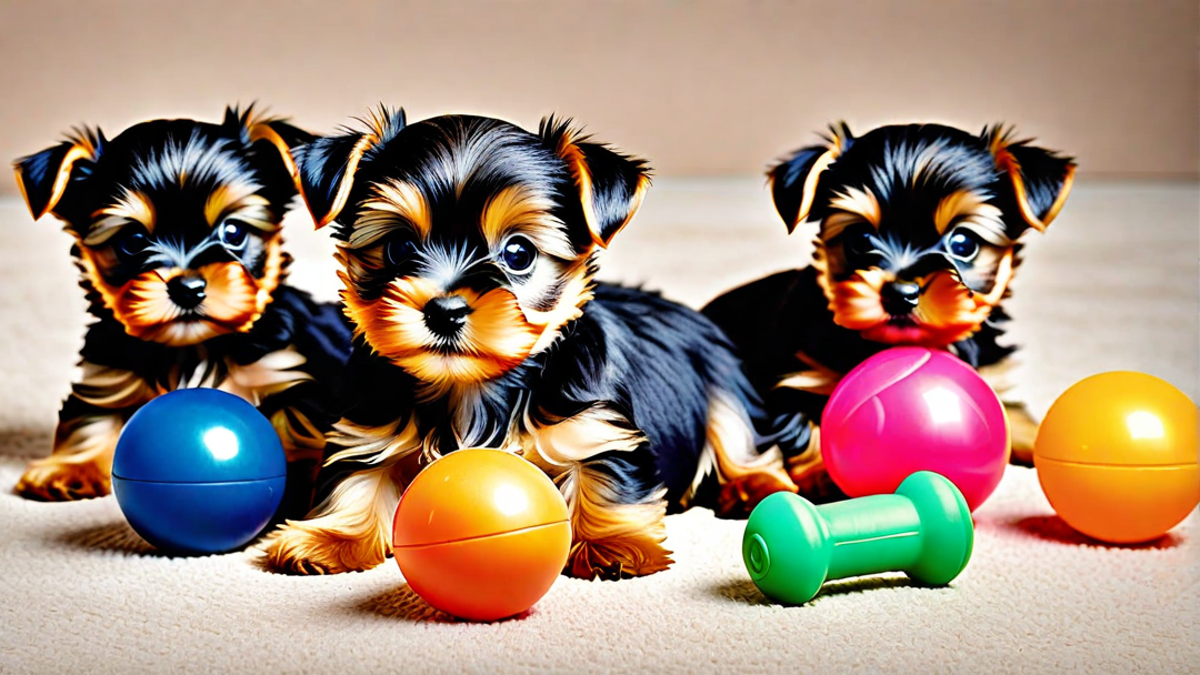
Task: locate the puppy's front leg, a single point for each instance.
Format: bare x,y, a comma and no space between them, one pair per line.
605,470
745,475
90,421
616,521
350,530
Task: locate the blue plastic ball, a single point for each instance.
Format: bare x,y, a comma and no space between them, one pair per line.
198,471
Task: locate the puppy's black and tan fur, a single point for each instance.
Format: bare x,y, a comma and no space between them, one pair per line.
918,240
468,248
177,235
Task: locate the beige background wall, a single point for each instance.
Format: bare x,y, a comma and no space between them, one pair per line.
707,87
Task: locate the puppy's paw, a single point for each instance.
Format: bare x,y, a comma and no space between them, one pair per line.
739,496
614,559
53,480
300,548
807,471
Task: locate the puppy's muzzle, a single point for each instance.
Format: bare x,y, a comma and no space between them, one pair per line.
445,316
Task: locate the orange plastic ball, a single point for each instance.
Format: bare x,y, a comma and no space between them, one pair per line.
481,534
1117,457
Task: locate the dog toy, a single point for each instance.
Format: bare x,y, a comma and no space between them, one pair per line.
792,547
910,409
198,471
1117,457
481,534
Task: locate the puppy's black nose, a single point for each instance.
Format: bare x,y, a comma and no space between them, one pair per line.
900,297
186,290
445,316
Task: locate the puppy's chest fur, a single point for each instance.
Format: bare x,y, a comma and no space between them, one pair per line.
508,414
117,383
120,370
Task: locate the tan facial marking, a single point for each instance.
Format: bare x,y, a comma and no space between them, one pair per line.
239,200
393,203
969,209
131,206
518,208
859,202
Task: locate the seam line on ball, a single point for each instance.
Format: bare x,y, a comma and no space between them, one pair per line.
925,358
183,482
1183,465
485,536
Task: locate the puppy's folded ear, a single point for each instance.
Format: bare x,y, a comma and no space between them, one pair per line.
285,137
325,167
253,127
794,181
45,177
611,185
1041,179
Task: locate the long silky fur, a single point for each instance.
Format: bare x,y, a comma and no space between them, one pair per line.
903,189
633,405
268,343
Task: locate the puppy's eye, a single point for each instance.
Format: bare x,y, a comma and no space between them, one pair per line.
233,234
518,254
858,244
962,245
399,250
131,243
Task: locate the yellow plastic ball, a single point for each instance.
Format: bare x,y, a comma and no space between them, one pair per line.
1117,457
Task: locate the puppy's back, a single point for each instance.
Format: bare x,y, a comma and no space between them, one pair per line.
664,363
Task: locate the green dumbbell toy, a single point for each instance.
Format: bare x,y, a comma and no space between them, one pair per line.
791,547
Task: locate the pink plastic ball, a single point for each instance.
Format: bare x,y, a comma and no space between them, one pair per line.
912,409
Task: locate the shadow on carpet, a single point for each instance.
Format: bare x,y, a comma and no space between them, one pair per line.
744,590
1054,528
116,537
404,604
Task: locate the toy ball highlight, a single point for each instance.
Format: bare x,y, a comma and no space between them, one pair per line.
198,471
481,534
1117,457
910,409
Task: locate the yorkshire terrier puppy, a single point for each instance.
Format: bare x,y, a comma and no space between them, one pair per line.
468,248
918,241
177,235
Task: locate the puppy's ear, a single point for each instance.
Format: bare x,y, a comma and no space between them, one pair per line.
285,138
252,127
45,177
611,185
325,168
794,181
1041,179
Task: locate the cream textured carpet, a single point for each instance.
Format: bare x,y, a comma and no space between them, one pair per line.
1113,285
